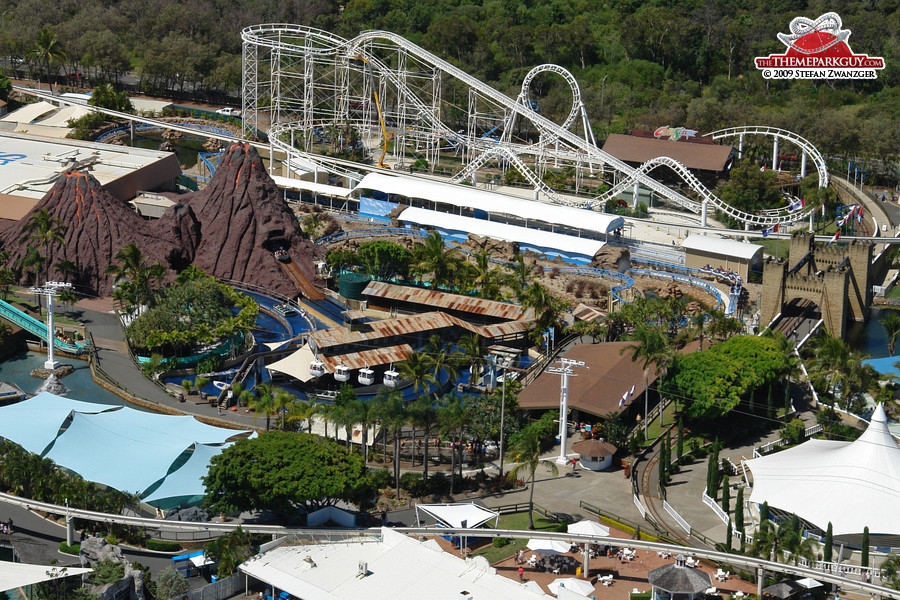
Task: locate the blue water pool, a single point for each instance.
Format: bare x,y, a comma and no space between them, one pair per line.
79,385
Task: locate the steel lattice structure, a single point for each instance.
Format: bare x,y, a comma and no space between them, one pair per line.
301,83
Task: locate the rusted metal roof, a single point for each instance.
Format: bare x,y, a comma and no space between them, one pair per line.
368,358
630,148
583,312
354,315
444,300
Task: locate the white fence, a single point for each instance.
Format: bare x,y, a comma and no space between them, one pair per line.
640,507
678,518
715,507
761,450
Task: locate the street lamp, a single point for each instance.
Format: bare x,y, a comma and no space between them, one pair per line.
50,289
565,370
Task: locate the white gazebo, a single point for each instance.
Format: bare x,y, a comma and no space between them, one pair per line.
852,485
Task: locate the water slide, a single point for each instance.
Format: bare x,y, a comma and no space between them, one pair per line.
35,327
303,284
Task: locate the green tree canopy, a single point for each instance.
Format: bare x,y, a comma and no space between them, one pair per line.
281,472
713,382
384,259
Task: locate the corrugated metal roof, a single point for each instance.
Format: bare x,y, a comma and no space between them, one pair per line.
368,358
457,302
720,246
707,157
583,312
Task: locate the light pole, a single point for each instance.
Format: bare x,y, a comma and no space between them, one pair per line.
564,371
50,289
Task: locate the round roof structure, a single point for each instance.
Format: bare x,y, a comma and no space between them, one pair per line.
678,578
594,448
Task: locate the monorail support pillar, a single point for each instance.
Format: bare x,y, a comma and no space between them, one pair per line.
636,195
741,146
803,165
703,212
775,155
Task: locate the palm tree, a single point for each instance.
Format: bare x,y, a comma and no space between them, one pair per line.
434,258
67,296
44,230
263,402
303,410
520,275
453,418
394,417
425,416
525,450
417,368
654,349
487,278
47,51
283,401
470,347
139,276
443,359
891,324
890,571
32,261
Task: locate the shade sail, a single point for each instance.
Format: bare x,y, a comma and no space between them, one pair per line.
853,485
182,430
16,575
453,515
186,481
588,527
295,365
35,422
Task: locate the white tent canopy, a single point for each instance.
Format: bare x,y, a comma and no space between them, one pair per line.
721,246
579,586
588,527
16,575
295,365
548,546
853,485
454,515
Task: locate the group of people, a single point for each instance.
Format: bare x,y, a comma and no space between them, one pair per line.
6,527
64,338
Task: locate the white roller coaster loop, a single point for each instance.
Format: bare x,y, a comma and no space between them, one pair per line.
418,118
801,142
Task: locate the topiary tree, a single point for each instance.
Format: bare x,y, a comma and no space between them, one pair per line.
829,543
864,554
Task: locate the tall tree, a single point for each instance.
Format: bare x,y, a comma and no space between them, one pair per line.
891,324
47,51
828,550
525,453
864,553
394,416
453,419
417,369
424,415
739,516
134,277
263,403
45,231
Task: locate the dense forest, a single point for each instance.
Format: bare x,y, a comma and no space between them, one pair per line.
640,64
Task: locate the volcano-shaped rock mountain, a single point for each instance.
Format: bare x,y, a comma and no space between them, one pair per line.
245,219
229,229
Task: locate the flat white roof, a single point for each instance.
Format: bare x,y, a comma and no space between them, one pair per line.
32,164
721,246
61,117
398,567
16,575
310,186
469,197
537,238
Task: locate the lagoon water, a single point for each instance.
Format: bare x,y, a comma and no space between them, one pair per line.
79,385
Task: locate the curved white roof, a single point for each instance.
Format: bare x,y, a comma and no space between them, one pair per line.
721,246
853,485
536,238
491,202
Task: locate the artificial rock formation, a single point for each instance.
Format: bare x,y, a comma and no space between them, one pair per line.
245,220
97,226
230,229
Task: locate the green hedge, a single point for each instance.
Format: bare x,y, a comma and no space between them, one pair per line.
73,549
162,546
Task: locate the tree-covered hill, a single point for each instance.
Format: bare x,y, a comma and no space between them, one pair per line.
640,64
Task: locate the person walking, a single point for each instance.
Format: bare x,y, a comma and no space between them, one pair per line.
521,574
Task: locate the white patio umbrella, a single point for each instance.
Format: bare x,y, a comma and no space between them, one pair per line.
588,527
548,547
809,583
579,586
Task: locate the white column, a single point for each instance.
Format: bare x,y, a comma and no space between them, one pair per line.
741,146
704,208
563,418
746,228
775,155
803,165
51,363
812,221
636,194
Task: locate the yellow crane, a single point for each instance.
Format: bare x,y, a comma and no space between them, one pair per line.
384,133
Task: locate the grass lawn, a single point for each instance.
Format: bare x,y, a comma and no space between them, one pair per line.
58,317
778,248
653,428
513,521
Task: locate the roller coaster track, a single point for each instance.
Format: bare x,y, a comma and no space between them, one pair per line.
803,143
418,118
763,219
36,328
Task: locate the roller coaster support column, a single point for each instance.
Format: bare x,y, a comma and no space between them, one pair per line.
703,210
775,155
741,146
636,194
803,165
760,578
